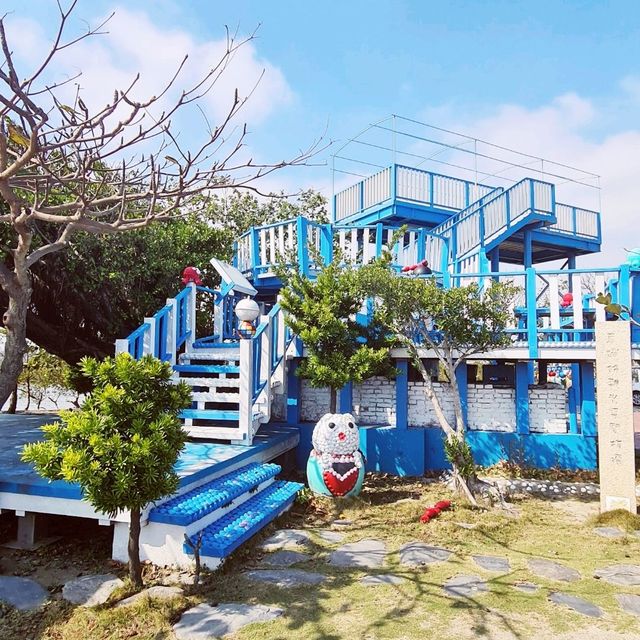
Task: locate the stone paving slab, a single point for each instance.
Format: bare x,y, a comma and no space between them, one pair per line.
205,622
285,558
576,604
285,578
330,536
465,586
526,587
286,538
22,593
609,532
627,575
629,602
89,591
155,593
553,570
376,579
369,554
493,563
415,554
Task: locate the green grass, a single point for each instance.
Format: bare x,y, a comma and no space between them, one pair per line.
389,509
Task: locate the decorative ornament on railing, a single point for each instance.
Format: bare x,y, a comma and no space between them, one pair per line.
420,269
247,311
336,466
191,274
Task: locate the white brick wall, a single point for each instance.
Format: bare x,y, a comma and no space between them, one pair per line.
314,402
421,413
490,408
374,402
548,410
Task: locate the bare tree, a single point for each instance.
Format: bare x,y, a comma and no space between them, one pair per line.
66,168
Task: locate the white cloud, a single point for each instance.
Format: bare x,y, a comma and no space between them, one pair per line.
135,44
562,131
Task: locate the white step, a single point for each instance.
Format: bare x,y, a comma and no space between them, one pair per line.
212,383
232,353
214,433
214,396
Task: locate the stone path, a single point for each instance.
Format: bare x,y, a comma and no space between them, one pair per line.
553,570
155,593
627,575
465,586
285,558
285,578
609,532
526,587
286,538
376,579
368,554
22,593
205,622
493,563
629,602
89,591
330,536
415,554
576,604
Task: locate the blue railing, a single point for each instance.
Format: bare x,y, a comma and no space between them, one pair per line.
163,318
183,331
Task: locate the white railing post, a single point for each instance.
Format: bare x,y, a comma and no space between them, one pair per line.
245,409
191,316
171,330
279,373
265,363
122,346
218,320
149,340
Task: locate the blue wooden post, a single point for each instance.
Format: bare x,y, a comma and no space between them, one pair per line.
532,316
255,252
576,383
333,213
571,265
235,254
528,250
379,239
507,205
588,408
326,243
293,393
635,306
422,241
303,251
431,199
402,394
345,398
573,410
463,387
522,397
393,176
624,285
446,280
495,262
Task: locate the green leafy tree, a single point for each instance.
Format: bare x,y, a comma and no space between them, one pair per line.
453,324
122,444
322,312
43,373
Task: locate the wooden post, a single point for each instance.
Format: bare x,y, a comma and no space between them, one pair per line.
522,397
122,346
245,408
616,454
265,362
172,318
402,394
149,344
191,316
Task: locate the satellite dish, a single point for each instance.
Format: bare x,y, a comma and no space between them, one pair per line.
231,275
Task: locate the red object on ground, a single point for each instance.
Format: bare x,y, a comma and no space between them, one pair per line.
422,263
432,512
191,274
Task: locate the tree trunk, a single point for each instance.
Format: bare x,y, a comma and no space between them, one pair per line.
135,568
333,400
13,403
15,322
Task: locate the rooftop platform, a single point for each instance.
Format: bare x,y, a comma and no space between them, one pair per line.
22,489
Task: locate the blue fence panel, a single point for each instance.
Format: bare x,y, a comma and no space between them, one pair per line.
162,329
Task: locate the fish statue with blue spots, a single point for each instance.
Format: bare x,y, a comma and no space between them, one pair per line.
336,465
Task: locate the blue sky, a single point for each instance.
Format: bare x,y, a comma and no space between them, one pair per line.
557,79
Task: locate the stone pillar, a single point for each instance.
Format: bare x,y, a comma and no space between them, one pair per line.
616,455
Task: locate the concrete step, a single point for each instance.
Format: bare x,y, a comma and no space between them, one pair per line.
215,396
193,506
225,535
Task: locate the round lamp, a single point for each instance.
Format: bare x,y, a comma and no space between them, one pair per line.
247,310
